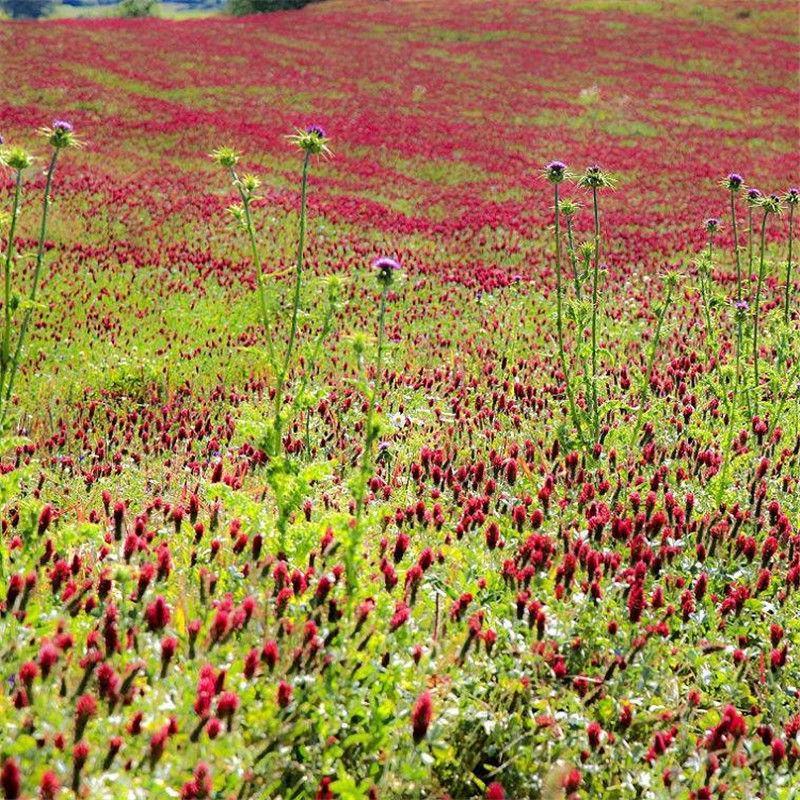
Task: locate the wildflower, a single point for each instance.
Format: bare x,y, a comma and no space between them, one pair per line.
555,171
312,139
60,134
284,695
495,791
733,182
10,779
85,709
157,614
421,716
792,197
16,158
712,225
225,156
49,786
596,178
771,204
568,207
753,197
385,268
572,781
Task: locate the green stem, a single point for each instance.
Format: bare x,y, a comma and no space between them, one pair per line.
574,259
251,233
34,285
651,359
12,227
595,280
366,457
560,327
723,475
749,242
789,267
298,280
755,313
736,247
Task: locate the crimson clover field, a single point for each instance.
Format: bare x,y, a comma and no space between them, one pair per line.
514,513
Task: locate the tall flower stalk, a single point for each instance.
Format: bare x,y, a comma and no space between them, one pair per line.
670,281
18,160
595,179
753,199
740,313
568,208
769,205
247,185
555,172
60,136
705,268
733,183
385,269
312,141
791,198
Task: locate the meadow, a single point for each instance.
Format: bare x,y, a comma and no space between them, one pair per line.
402,401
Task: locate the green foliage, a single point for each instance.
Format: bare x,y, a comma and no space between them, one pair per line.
138,8
241,8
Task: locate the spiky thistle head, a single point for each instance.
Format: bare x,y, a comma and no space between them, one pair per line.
225,156
596,178
312,139
733,182
712,225
771,204
672,278
61,134
753,196
16,158
740,309
792,196
555,171
385,269
568,207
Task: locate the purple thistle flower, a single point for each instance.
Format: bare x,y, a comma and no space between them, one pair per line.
735,181
753,195
61,126
792,196
712,224
555,171
742,306
385,267
318,130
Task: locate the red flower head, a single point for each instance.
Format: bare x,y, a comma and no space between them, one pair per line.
421,716
495,791
11,780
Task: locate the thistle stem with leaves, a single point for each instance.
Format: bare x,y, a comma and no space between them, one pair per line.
60,136
769,205
792,197
595,179
386,268
555,172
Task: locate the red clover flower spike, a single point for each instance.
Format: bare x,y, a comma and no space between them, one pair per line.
555,171
313,140
385,268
